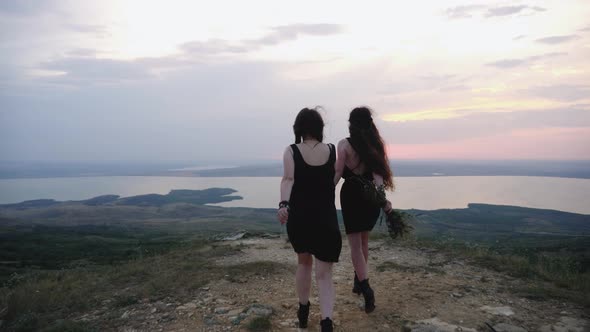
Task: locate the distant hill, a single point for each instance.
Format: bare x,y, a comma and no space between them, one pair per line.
206,196
552,168
568,169
485,223
182,210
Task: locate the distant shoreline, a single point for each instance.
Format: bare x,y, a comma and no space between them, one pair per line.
401,168
265,176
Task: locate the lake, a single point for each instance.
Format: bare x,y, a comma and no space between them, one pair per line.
428,193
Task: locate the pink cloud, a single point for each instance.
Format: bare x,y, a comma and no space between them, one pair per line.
543,143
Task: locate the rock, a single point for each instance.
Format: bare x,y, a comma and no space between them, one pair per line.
503,327
210,320
567,324
286,305
237,320
505,311
234,312
125,315
260,310
154,310
435,325
457,295
166,318
206,289
235,236
221,310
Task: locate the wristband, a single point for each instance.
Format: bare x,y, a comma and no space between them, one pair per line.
284,204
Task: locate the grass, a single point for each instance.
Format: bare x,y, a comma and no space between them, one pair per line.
39,298
392,266
558,274
259,324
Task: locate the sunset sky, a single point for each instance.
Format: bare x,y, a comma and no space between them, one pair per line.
223,80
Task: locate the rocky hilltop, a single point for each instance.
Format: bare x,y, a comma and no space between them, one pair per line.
417,289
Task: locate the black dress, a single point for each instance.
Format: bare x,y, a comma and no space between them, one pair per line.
313,225
358,214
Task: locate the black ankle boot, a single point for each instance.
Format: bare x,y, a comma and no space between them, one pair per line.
368,295
303,314
356,288
326,325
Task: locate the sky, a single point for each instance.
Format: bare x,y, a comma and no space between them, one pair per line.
215,81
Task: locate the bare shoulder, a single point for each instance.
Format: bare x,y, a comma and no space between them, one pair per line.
343,143
288,151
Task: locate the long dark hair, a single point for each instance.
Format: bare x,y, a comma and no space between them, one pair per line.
308,123
368,144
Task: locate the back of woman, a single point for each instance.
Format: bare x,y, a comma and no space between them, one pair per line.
307,206
361,159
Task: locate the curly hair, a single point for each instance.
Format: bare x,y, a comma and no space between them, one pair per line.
368,144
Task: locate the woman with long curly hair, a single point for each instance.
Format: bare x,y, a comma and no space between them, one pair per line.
362,155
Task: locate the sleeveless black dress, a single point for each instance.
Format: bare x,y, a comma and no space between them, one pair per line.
313,224
358,214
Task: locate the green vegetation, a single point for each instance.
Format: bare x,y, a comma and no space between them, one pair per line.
554,270
259,324
58,259
33,300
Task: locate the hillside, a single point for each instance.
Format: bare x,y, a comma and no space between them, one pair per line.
248,285
156,263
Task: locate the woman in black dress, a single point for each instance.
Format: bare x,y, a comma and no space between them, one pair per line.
307,206
361,155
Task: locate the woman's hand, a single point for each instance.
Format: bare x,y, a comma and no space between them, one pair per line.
283,215
387,206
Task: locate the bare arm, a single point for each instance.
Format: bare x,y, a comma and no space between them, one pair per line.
288,175
378,179
286,183
340,162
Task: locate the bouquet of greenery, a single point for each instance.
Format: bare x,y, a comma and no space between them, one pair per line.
397,223
371,193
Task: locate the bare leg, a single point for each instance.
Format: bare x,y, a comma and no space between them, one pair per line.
356,253
365,246
323,275
303,277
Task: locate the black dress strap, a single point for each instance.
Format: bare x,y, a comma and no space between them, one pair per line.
297,157
332,153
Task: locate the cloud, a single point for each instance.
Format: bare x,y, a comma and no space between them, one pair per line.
468,11
557,39
519,37
408,83
25,7
561,92
213,46
277,35
85,70
511,10
482,124
519,62
82,52
86,28
284,33
463,11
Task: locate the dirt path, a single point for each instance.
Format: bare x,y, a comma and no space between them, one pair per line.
416,289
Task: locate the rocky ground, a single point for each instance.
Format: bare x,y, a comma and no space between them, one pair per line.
416,290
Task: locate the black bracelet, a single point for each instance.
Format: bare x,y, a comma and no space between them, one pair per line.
284,204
